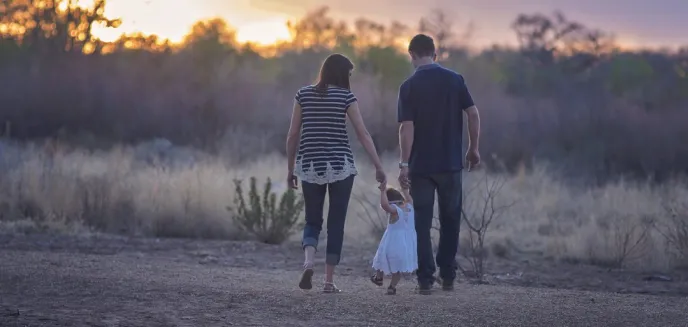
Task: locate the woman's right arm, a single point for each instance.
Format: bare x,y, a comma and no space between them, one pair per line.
293,136
364,137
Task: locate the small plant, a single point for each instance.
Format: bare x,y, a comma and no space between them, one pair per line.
674,229
625,240
478,221
261,216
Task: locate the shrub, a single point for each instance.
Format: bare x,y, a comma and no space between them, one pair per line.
675,231
262,217
623,239
478,213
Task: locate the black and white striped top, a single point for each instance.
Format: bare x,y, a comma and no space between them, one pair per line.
324,152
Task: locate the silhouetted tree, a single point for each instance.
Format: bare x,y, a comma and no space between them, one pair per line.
448,40
54,26
542,38
138,42
319,31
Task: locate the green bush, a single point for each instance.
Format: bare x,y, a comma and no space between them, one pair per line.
260,215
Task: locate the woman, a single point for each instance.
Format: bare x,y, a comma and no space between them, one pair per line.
324,161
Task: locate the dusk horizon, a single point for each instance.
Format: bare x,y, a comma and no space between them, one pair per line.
635,24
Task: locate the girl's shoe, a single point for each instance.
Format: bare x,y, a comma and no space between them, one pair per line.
331,288
377,280
306,282
391,290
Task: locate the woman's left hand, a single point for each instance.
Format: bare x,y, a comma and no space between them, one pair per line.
382,186
380,176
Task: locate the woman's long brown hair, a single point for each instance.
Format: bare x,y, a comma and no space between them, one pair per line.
335,71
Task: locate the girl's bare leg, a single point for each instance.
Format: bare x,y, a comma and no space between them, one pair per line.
392,289
396,277
378,278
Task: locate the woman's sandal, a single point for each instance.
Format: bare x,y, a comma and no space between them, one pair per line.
391,290
376,280
306,282
331,288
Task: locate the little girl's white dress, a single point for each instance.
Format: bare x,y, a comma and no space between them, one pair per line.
397,251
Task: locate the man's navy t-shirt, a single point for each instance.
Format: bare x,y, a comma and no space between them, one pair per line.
434,99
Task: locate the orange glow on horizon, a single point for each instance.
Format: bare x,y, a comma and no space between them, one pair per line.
150,17
173,20
264,33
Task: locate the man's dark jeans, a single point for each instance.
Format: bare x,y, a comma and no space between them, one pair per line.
314,198
448,188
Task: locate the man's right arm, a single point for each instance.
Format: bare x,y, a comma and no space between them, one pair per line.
473,128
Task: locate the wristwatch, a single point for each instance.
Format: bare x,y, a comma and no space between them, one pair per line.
403,165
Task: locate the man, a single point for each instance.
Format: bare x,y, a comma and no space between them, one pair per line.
431,106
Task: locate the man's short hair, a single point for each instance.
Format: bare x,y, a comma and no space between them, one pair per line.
422,45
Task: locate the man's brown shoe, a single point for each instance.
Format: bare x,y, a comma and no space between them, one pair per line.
447,285
424,289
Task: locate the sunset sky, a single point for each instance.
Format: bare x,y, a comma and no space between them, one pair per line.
634,22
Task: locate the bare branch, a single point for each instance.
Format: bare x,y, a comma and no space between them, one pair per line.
478,223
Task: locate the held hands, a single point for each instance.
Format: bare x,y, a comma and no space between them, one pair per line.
380,176
382,187
404,181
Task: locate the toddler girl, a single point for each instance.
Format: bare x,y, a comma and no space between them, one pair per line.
396,253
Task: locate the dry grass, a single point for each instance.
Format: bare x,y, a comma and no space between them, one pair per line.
118,192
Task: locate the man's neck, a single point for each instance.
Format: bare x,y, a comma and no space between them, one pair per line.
424,61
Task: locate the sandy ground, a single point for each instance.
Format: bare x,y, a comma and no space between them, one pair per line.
107,281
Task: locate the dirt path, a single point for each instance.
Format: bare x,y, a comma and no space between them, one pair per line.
181,284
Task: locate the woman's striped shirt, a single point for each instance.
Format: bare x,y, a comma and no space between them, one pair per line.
324,154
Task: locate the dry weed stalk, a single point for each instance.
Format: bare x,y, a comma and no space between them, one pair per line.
675,231
629,240
478,222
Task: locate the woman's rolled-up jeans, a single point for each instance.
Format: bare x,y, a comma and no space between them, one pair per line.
314,198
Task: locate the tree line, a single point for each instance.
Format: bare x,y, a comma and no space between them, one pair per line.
566,95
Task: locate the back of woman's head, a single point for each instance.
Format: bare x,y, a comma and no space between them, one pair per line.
335,71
